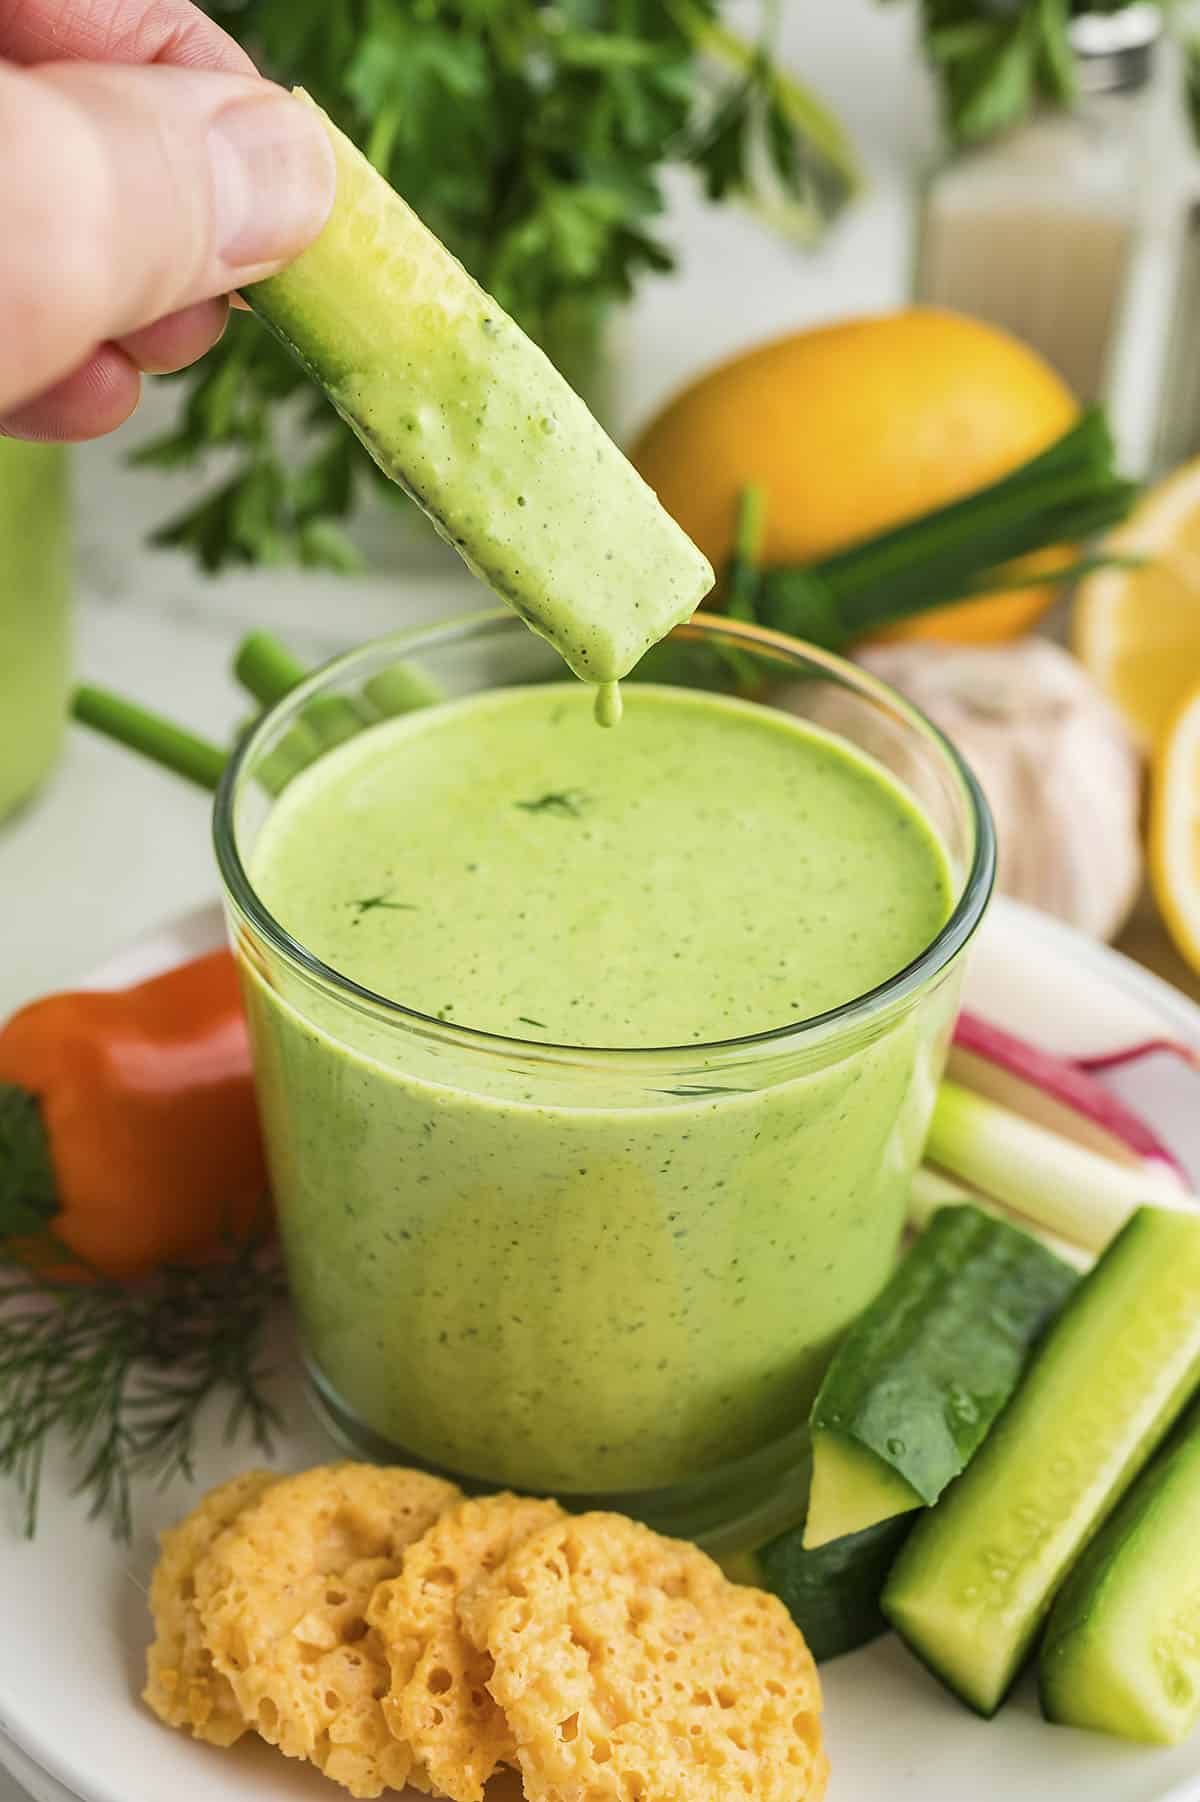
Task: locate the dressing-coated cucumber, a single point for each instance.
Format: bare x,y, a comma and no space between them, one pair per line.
457,405
1122,1646
921,1376
976,1578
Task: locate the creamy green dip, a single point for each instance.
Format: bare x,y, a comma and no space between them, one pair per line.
34,635
589,1275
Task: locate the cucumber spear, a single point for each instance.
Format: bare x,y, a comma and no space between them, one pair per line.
464,411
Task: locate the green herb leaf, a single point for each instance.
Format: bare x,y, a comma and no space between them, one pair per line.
690,1090
993,89
569,802
374,902
1055,61
28,1191
1191,67
997,59
122,1375
534,138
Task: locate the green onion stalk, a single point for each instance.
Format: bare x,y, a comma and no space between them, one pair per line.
1067,495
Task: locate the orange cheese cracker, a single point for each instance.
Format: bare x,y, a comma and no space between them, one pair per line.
630,1669
438,1701
183,1686
283,1597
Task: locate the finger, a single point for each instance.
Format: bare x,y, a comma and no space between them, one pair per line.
179,339
117,31
155,188
94,399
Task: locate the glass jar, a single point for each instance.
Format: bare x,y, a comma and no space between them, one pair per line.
1037,229
34,626
481,1233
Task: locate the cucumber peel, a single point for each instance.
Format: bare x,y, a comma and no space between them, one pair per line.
1122,1647
460,408
919,1379
976,1579
831,1593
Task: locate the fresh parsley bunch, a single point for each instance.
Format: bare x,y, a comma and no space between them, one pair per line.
532,137
997,59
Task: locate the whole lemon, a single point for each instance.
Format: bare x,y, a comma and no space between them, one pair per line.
852,428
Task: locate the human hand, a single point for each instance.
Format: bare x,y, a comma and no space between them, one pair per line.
146,172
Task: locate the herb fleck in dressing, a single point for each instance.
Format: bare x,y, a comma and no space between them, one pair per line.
568,1279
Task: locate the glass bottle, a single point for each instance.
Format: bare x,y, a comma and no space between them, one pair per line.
1037,229
34,626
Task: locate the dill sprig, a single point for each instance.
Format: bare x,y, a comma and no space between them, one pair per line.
122,1373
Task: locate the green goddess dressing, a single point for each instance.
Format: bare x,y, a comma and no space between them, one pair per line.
591,1280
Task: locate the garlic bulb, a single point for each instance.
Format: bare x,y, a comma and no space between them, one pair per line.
1053,758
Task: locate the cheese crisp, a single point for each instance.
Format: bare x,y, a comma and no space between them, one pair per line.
391,1632
439,1702
182,1685
631,1670
283,1598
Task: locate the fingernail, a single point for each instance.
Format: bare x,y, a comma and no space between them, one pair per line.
273,179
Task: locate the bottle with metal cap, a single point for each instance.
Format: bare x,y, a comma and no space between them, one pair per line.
1037,229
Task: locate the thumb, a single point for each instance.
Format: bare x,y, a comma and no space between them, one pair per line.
128,193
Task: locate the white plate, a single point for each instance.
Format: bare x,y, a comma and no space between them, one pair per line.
74,1610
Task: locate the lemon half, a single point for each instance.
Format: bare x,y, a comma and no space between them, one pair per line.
1137,630
1175,828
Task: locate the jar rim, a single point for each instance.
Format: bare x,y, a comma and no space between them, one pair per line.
861,1011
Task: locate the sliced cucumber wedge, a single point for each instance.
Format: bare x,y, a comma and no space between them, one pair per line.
852,1488
921,1376
1122,1646
464,411
831,1593
975,1580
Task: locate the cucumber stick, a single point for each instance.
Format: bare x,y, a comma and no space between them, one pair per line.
1122,1646
921,1376
976,1578
464,411
832,1593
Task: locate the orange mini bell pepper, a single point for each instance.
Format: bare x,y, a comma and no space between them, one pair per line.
128,1126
